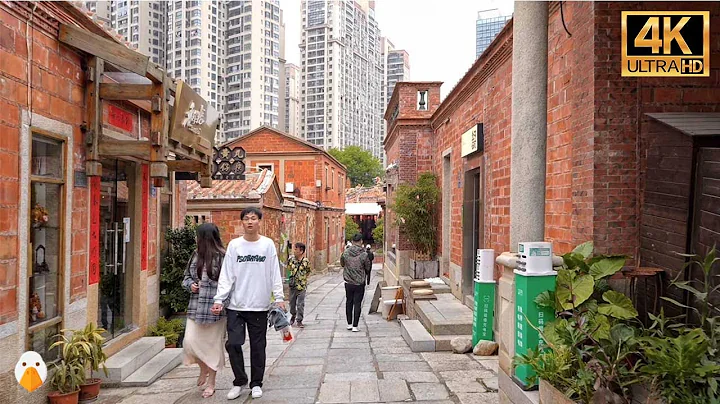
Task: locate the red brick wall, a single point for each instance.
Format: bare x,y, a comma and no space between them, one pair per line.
57,92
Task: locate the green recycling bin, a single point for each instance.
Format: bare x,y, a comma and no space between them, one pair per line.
484,313
534,276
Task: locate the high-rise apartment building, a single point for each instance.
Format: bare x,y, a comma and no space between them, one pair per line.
142,23
291,118
196,47
255,59
489,23
341,75
398,69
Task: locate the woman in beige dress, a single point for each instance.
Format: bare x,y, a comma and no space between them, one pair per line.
204,333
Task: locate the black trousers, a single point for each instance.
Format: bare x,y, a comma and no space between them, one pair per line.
353,302
257,330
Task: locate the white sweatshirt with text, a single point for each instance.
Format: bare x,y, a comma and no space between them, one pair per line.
249,274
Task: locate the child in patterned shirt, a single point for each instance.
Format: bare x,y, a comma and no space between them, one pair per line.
299,267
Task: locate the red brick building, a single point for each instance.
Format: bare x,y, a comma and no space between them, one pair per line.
61,265
622,170
313,189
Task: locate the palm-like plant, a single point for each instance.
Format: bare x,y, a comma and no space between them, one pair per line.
92,335
69,370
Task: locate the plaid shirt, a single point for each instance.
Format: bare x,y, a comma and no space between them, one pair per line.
299,271
201,302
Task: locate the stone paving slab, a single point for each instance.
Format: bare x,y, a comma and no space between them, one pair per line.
292,381
478,398
401,357
456,365
335,392
364,391
356,366
411,377
466,374
393,390
404,367
289,370
350,377
429,391
465,386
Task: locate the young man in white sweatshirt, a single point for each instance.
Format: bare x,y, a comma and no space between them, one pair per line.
250,274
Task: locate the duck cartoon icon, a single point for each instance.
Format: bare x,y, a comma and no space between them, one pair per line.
30,371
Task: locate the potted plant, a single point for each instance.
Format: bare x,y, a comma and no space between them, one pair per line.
93,361
69,372
170,329
416,211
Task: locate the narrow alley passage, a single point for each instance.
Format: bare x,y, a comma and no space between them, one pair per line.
326,363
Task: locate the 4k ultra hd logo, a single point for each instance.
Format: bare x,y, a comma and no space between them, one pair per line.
665,44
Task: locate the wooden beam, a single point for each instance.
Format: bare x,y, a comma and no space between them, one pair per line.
117,91
110,147
158,132
193,166
93,117
155,73
110,51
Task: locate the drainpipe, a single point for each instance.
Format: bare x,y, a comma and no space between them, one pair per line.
529,122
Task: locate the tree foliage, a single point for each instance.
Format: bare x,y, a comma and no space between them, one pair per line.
181,242
379,231
362,166
416,210
351,228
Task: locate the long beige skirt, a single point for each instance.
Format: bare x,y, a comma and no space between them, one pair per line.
206,343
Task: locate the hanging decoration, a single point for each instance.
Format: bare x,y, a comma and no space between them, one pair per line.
40,216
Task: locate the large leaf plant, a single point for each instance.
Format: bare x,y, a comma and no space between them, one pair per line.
590,348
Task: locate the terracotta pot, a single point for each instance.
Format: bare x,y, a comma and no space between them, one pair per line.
551,395
90,390
170,345
57,398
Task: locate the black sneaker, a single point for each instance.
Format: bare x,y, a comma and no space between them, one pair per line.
292,320
300,324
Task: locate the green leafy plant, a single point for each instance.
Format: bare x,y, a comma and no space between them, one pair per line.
95,359
170,329
69,370
351,228
181,244
416,209
590,349
378,232
362,166
683,360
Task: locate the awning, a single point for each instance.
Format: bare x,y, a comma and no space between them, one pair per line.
691,123
357,209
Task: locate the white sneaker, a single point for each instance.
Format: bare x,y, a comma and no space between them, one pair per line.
234,392
256,392
349,327
355,329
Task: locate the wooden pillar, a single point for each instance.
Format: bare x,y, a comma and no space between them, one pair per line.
93,166
158,134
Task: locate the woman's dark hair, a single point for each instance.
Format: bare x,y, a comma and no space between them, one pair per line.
209,248
256,211
301,246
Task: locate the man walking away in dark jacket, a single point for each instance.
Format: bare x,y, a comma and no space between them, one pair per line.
371,257
357,265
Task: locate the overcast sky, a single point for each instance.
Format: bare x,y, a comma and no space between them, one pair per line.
439,35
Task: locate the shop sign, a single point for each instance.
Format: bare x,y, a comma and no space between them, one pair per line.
193,121
145,214
120,118
473,140
94,276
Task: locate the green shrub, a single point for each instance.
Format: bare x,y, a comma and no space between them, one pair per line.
416,210
170,329
351,228
181,244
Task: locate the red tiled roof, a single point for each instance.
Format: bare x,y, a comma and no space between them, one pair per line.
254,186
365,194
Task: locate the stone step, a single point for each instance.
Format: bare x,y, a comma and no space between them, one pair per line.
155,368
417,336
443,342
131,358
445,316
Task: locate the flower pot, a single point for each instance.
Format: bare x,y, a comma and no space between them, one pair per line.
551,395
58,398
170,345
90,390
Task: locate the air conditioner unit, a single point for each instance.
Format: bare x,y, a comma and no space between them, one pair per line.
289,187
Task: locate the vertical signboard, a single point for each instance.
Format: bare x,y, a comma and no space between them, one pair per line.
94,276
145,214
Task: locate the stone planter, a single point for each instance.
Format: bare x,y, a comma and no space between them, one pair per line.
551,395
425,269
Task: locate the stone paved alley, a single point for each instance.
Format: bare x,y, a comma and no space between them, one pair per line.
329,364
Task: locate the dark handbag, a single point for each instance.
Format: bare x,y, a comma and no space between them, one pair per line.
41,266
